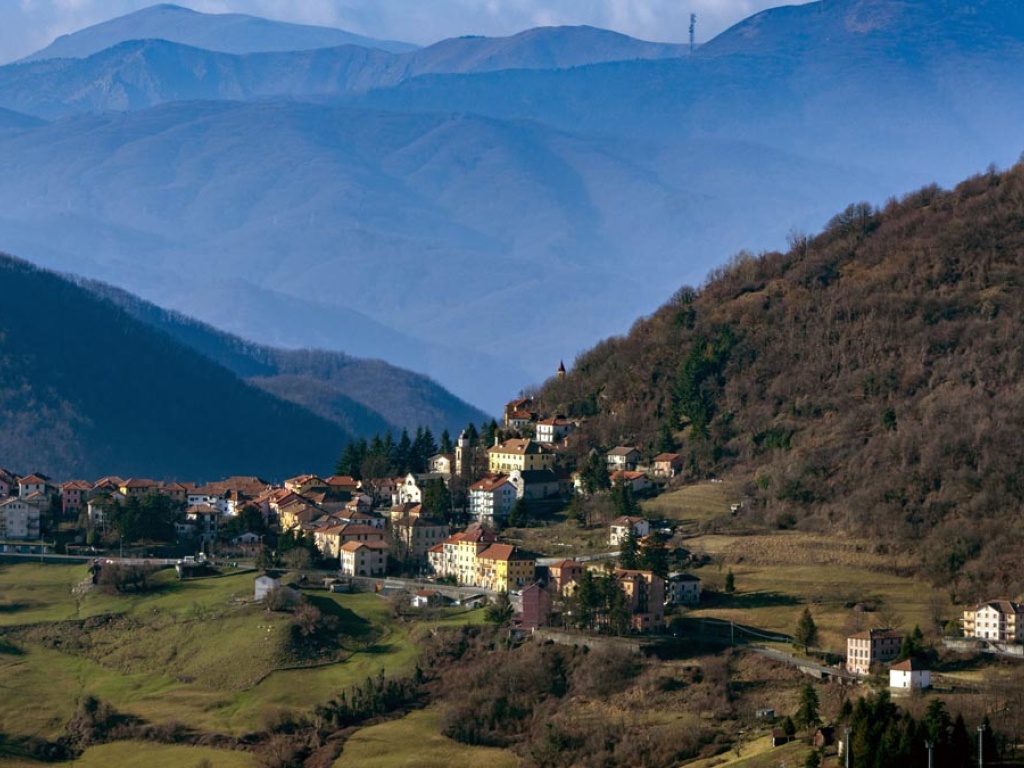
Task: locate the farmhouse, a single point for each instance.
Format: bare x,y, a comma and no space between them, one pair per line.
909,675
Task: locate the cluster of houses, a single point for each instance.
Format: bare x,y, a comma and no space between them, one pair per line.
998,622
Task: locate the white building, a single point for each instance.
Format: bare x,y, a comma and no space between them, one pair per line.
909,675
364,558
493,497
1001,621
553,430
619,529
19,520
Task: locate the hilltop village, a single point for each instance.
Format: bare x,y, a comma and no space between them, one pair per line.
442,526
444,523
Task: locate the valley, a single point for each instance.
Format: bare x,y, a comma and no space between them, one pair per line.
756,498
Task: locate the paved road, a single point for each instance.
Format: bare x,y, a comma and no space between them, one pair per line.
796,661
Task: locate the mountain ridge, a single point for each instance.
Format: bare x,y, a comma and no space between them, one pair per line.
86,390
225,32
541,208
363,396
141,73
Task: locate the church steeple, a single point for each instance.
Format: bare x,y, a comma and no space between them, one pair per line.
561,369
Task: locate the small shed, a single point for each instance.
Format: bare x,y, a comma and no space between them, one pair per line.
779,737
265,585
424,598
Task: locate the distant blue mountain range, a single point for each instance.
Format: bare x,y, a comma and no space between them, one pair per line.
482,208
225,32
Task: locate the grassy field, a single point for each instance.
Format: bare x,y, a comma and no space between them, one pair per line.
197,651
758,754
130,754
777,577
415,742
693,505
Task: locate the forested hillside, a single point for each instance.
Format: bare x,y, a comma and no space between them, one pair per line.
87,390
364,397
868,381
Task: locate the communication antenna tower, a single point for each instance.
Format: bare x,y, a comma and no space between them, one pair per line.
693,28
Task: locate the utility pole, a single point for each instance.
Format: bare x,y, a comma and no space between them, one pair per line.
981,746
846,747
930,746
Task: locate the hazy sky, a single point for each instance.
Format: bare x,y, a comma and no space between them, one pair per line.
28,25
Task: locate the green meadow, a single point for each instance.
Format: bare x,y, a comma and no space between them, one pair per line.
197,652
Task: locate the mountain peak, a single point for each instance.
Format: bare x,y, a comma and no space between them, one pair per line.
894,23
221,32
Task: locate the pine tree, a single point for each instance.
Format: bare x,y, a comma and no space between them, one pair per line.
594,475
629,550
403,453
653,556
730,582
586,600
912,645
806,631
807,713
446,446
666,443
519,516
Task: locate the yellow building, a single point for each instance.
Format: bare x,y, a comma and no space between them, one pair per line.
521,454
459,554
503,567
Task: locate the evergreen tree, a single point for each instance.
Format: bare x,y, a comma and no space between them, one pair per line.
519,516
594,476
912,645
666,443
577,511
806,633
491,433
424,447
789,727
730,582
629,550
624,501
446,446
472,435
403,454
961,746
586,600
437,499
937,723
653,556
351,458
500,611
616,608
807,712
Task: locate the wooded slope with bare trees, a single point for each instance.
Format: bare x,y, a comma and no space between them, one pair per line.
868,381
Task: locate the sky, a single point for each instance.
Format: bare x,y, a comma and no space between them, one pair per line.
28,25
